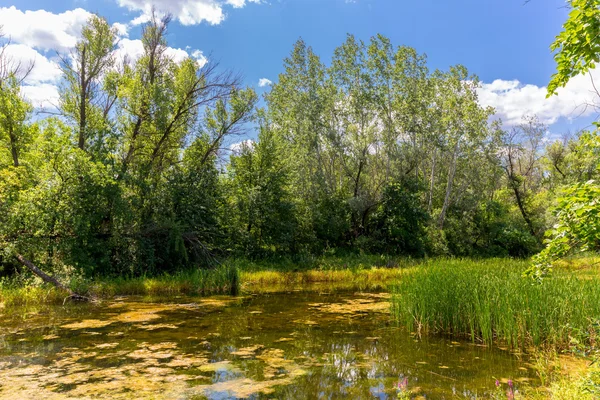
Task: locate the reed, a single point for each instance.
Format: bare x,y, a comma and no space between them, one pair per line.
490,301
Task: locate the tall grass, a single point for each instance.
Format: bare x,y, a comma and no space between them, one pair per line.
490,301
222,280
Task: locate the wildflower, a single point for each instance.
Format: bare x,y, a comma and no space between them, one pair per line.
510,393
403,384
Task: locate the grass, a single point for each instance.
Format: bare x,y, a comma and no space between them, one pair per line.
351,262
357,272
221,280
491,302
350,272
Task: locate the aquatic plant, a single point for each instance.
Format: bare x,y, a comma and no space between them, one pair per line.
490,301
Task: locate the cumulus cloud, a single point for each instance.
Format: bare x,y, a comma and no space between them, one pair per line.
237,148
133,49
42,29
43,74
121,29
187,12
262,82
513,99
43,96
44,70
200,57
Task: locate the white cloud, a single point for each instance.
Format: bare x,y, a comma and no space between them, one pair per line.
240,3
262,82
237,148
43,96
187,12
133,49
199,55
513,99
129,49
44,70
42,29
177,55
122,29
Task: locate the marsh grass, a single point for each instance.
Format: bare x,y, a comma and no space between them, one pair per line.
363,279
490,301
221,280
353,272
347,262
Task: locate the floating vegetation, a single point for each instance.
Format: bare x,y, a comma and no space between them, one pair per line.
217,348
87,324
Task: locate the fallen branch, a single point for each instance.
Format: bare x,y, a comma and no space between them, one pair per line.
49,279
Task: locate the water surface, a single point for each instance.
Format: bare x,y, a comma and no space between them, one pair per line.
299,345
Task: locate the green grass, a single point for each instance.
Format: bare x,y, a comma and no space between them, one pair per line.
222,280
490,301
351,262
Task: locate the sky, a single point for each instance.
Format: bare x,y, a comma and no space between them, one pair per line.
504,42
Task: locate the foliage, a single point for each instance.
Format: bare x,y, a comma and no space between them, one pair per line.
400,221
577,209
261,211
577,227
577,46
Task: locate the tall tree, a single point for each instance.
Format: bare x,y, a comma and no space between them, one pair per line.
521,163
84,70
14,115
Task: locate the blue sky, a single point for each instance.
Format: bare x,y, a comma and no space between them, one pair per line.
505,42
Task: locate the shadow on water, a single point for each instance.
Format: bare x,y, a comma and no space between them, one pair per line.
284,346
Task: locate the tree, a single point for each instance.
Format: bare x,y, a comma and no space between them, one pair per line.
577,214
520,161
15,131
82,98
263,213
578,45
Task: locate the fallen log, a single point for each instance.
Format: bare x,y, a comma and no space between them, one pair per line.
50,279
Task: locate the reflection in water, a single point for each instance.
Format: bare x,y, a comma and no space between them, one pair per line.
284,346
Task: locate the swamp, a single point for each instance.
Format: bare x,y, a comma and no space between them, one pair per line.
344,199
316,344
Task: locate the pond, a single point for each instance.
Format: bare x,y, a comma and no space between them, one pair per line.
297,345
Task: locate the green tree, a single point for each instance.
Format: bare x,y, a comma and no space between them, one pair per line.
82,99
578,45
261,208
15,129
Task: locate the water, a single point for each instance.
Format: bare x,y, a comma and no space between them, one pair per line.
299,345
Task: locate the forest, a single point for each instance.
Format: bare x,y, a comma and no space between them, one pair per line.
146,166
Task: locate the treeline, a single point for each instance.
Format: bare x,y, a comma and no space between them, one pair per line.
371,152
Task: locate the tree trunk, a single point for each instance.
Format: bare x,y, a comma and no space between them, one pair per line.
49,279
451,173
432,182
82,100
13,148
522,208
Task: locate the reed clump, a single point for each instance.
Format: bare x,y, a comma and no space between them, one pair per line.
490,301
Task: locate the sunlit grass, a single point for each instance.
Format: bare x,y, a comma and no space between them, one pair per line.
362,279
221,280
490,301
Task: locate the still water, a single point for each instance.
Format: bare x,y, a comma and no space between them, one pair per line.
298,345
